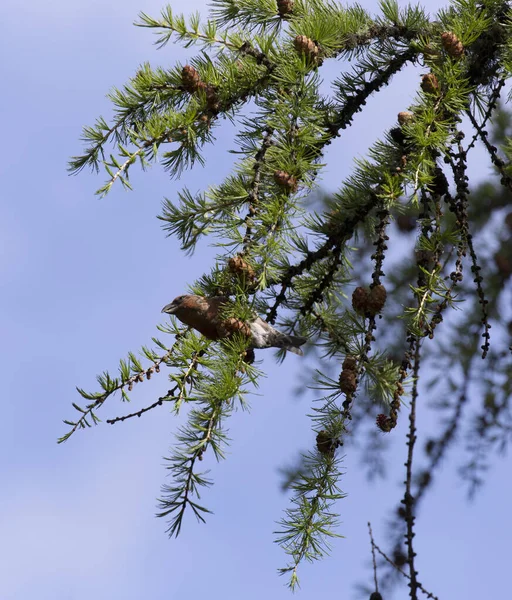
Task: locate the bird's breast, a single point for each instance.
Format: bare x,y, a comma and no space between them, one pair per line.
259,333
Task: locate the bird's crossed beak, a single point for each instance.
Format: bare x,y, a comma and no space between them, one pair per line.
169,308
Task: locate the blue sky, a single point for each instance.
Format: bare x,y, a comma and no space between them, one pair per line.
82,282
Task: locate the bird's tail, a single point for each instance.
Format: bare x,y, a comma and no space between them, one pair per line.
293,343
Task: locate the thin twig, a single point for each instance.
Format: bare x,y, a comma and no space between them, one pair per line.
170,394
373,557
408,500
397,568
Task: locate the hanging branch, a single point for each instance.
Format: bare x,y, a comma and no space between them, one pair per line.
499,163
408,500
112,385
375,581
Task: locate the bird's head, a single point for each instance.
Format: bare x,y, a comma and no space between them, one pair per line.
175,305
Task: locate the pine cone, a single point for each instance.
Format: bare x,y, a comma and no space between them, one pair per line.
284,7
429,446
406,223
237,265
360,300
452,45
190,79
350,363
429,83
384,423
424,258
212,98
377,299
348,384
424,479
405,117
286,181
306,46
325,443
399,558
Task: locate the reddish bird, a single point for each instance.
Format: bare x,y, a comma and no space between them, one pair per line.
204,314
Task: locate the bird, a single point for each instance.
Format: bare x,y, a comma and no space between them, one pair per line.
205,315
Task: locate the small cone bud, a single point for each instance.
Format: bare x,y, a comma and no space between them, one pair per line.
406,223
405,117
286,181
190,78
429,83
424,258
348,382
384,423
284,7
452,45
377,299
306,46
325,443
350,363
429,446
212,98
360,300
237,265
399,558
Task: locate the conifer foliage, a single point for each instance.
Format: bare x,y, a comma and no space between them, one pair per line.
325,273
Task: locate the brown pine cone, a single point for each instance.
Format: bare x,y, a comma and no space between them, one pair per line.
350,363
405,117
360,300
406,223
284,7
384,423
306,46
237,265
452,45
286,181
377,299
324,442
429,83
348,383
190,78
